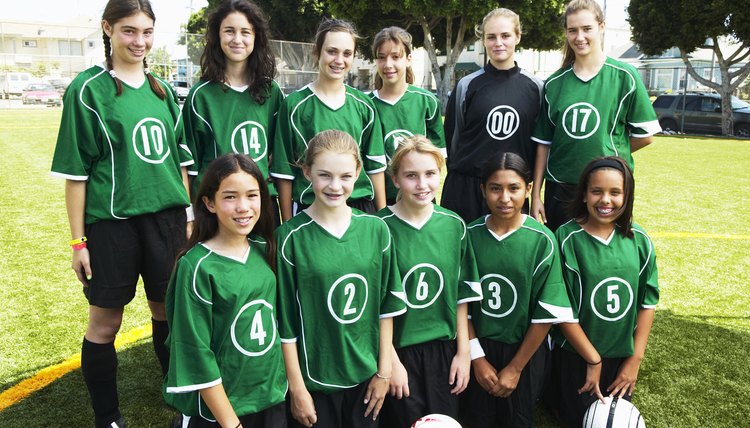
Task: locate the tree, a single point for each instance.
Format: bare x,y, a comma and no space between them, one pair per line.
689,25
447,27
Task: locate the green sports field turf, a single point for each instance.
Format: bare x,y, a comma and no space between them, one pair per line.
690,197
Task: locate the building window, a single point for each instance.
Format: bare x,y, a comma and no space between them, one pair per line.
664,78
91,44
471,47
29,43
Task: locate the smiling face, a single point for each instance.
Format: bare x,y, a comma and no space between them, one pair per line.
237,37
584,33
336,55
505,193
391,61
500,40
236,204
418,179
604,197
131,38
332,176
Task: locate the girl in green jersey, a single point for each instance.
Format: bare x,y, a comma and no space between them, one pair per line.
226,367
593,106
431,362
233,108
120,148
523,295
609,267
404,109
328,103
338,290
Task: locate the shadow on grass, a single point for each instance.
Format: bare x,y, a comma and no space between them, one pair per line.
694,375
66,403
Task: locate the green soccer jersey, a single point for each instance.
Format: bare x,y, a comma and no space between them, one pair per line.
417,112
302,115
608,282
521,280
582,120
222,320
332,293
220,120
438,272
129,148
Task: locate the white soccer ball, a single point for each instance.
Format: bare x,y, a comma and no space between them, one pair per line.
613,413
436,420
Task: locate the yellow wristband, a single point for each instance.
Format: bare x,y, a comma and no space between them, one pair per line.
78,241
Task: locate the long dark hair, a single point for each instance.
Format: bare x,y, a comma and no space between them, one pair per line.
261,65
578,210
206,224
115,11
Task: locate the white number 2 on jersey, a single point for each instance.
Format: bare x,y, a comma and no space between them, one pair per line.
257,332
349,291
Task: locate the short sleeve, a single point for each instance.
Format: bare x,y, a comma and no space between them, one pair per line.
286,289
434,124
551,303
283,145
544,129
78,139
372,144
393,297
192,363
469,286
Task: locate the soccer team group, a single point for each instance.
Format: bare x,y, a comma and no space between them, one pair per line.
313,281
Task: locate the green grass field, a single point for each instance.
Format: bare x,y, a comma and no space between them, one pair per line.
689,198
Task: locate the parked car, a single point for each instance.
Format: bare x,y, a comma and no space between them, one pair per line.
41,93
182,88
702,113
13,82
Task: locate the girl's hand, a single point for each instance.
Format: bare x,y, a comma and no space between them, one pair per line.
375,395
484,373
303,408
593,374
507,381
399,385
626,378
537,209
82,265
460,372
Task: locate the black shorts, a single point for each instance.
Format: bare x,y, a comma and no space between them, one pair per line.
568,375
429,366
557,199
341,409
123,250
463,196
485,411
272,417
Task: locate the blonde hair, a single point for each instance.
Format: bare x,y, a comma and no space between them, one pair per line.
499,12
415,143
576,6
396,35
331,140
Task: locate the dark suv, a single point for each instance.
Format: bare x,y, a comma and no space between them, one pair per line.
702,113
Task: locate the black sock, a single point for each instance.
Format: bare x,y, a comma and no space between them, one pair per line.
159,333
99,369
